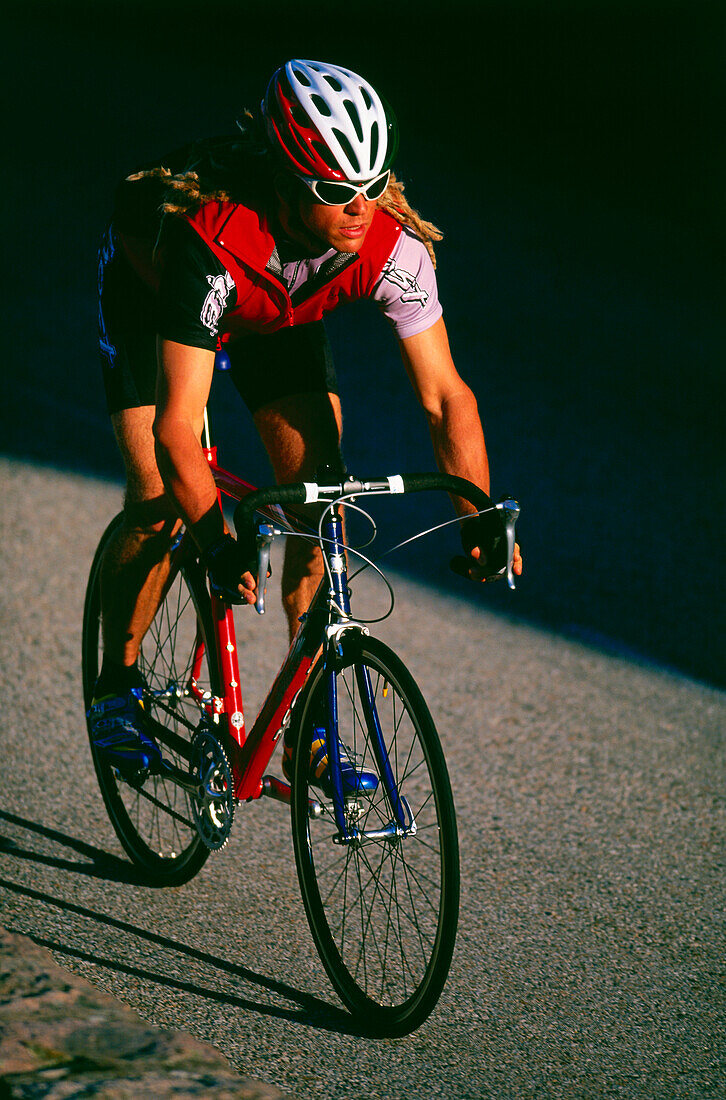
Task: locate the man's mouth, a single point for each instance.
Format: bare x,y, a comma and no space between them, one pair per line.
352,232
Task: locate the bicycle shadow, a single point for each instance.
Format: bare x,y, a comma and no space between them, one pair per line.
101,865
311,1010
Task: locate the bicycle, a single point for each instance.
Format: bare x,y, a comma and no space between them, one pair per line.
378,866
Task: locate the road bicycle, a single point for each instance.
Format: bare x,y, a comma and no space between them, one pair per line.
377,858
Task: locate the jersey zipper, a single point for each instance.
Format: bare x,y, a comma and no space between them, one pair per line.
332,270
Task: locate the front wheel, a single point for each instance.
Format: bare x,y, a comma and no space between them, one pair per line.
155,822
383,903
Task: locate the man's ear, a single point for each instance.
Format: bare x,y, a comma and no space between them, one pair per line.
284,185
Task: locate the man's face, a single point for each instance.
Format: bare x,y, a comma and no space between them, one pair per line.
341,227
319,227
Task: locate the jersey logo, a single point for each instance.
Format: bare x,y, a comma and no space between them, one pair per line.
216,300
412,292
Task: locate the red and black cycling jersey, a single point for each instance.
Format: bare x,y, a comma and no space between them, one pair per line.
228,267
190,270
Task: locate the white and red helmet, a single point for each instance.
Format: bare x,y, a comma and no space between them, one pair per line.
328,123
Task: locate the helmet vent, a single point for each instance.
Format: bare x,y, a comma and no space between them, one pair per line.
347,149
374,142
353,116
324,152
321,105
329,123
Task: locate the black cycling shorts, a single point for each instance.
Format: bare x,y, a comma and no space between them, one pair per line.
265,367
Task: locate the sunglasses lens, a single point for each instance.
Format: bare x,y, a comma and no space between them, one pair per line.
376,189
334,194
339,194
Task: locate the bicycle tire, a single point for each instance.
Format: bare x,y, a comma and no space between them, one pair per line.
154,823
383,913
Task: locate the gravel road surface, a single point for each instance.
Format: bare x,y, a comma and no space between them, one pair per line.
590,796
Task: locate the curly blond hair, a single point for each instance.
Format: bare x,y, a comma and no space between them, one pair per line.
394,202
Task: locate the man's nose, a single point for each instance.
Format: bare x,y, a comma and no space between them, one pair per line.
356,206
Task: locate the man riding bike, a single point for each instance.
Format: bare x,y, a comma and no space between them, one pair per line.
249,241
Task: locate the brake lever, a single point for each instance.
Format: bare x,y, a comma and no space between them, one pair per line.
265,536
510,510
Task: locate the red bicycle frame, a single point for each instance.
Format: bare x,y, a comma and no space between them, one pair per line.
251,752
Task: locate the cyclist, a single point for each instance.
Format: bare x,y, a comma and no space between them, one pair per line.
246,242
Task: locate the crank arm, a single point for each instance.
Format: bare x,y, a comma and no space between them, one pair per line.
182,779
272,787
168,738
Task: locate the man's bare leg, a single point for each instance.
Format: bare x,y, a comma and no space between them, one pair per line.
133,574
136,563
301,433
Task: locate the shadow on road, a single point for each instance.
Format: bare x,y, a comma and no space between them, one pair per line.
101,865
311,1011
567,161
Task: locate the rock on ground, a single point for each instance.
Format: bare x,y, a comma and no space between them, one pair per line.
60,1037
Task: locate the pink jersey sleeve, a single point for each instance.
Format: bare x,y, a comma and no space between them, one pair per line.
406,291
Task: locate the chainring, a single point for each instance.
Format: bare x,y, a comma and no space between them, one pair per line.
213,804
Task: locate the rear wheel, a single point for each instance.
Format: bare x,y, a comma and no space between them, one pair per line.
155,822
382,908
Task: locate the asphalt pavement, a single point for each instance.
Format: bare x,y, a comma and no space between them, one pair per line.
589,790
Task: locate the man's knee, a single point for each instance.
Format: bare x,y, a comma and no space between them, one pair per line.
301,433
150,518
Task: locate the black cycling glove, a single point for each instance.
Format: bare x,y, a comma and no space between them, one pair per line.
225,561
489,533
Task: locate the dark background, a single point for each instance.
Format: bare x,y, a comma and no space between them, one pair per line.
571,154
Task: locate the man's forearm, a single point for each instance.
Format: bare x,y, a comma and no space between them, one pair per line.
458,441
186,474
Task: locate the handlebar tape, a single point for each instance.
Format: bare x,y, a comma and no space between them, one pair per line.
459,486
297,493
244,513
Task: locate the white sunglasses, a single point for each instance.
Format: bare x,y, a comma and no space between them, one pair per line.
340,194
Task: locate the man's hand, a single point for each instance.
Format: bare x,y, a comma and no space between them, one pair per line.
229,571
485,543
474,567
